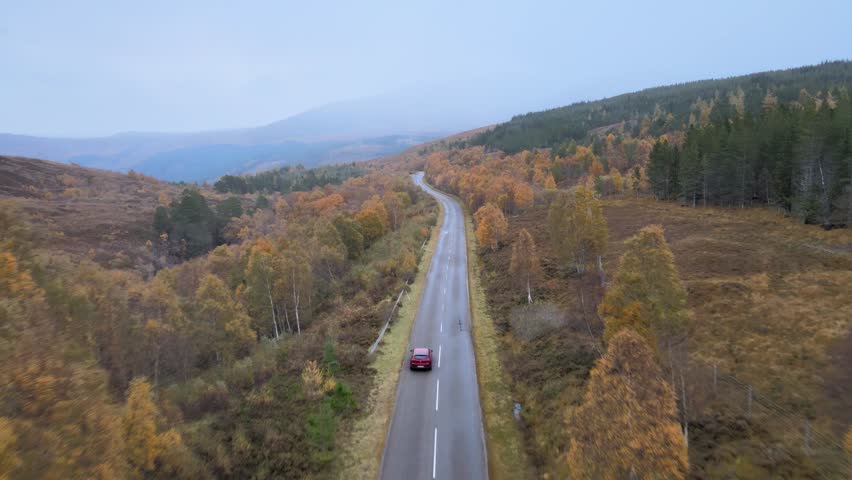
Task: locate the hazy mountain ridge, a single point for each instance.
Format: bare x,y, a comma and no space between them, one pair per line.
343,132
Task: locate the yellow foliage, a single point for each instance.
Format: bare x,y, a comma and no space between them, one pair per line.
847,445
373,218
14,282
627,425
9,459
68,180
617,180
140,428
313,380
281,207
72,193
646,275
578,229
549,182
596,168
230,330
522,195
525,266
326,205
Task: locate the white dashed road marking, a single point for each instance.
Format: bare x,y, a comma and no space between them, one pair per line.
435,452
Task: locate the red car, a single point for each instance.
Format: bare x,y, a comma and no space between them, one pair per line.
421,358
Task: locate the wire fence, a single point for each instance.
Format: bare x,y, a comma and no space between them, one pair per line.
703,390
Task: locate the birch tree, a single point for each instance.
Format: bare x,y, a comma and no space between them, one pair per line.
577,226
525,266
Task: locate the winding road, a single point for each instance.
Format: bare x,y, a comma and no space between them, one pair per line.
436,430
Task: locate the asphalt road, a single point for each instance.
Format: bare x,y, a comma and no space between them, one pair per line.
436,430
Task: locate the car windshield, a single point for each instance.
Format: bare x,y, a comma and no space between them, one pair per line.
421,355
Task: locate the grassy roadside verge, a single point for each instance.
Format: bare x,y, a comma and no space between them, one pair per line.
362,455
506,458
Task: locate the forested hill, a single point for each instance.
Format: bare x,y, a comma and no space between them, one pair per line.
659,110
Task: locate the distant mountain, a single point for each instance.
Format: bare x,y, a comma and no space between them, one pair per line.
345,131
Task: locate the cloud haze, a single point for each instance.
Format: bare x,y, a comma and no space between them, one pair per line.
95,68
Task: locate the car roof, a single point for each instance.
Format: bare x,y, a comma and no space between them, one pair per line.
421,351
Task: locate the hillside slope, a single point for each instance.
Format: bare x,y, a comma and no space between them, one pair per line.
84,212
659,109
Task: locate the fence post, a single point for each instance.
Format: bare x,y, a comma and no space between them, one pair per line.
749,400
715,377
807,438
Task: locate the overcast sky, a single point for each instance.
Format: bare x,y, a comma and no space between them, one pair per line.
100,67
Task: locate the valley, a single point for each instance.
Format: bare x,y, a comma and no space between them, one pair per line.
653,285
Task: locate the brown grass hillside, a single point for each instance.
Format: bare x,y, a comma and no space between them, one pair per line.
772,305
83,211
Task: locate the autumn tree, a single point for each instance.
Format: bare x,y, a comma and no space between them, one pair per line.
847,445
328,252
549,183
9,459
280,208
596,168
262,269
627,425
297,281
351,236
522,196
148,452
617,180
225,327
140,427
646,280
315,381
577,226
525,266
164,320
373,218
491,226
16,236
395,207
59,404
327,204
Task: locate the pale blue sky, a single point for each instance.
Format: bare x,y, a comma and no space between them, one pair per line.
100,67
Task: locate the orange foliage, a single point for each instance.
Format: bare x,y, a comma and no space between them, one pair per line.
491,226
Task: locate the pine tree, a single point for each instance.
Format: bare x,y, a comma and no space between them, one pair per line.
627,425
525,265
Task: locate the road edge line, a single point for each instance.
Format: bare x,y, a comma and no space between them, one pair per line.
509,460
388,403
432,245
